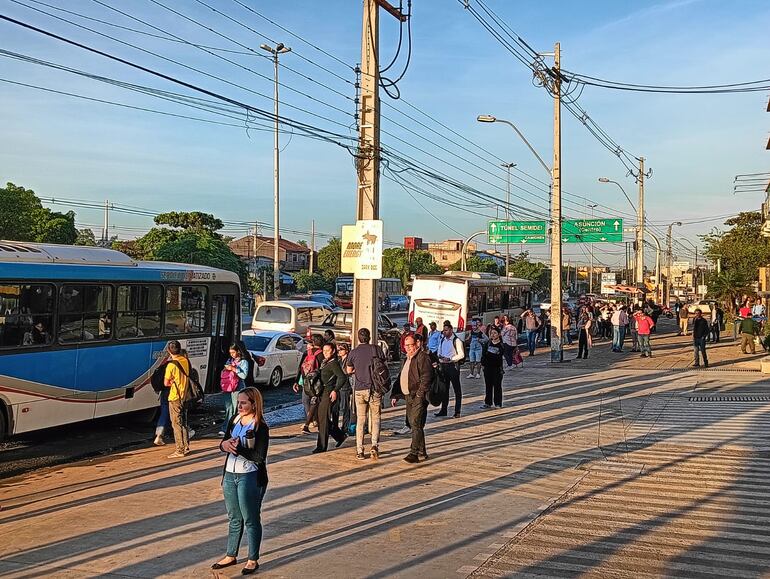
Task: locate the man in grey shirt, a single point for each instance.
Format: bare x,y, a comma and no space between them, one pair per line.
359,363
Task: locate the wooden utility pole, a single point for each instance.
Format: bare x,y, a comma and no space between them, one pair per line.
639,276
557,352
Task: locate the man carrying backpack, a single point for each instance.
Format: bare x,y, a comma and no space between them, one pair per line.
176,379
368,399
450,352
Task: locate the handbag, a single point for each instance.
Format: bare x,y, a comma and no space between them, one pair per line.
517,359
229,381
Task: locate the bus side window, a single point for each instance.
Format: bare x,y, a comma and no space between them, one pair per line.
26,313
85,313
138,312
185,309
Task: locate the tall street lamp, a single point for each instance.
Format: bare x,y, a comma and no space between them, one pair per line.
668,259
276,52
508,167
639,242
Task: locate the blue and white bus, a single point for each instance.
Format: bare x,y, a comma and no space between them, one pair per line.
83,328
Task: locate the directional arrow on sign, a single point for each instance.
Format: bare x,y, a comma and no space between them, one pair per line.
603,238
616,224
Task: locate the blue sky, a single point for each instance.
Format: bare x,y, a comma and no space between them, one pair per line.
69,148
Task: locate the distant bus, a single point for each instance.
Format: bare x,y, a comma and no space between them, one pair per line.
83,328
461,296
343,290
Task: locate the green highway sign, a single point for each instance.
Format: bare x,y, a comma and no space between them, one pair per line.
592,231
516,232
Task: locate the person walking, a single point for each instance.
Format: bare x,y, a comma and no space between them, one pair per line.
717,320
700,330
492,361
510,337
413,385
450,352
368,402
164,416
684,315
434,337
244,480
748,331
232,381
176,379
309,362
584,334
644,326
634,330
531,325
474,341
332,379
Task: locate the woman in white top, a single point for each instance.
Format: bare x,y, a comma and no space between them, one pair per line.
245,478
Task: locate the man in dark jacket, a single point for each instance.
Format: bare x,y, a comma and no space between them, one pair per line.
748,330
700,331
413,384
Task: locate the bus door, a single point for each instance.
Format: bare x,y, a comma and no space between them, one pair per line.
225,329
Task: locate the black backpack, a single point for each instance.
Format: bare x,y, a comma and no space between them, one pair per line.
380,374
455,339
250,381
158,378
194,391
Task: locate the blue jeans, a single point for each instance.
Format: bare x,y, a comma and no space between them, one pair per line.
231,407
618,337
164,418
243,499
532,340
699,347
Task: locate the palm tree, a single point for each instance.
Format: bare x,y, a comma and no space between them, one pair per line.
728,286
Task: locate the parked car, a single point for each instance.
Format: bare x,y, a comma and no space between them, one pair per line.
321,298
277,355
341,323
399,303
289,315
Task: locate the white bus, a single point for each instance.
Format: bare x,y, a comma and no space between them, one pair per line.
459,296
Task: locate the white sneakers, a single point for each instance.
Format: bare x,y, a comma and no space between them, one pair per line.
404,430
473,376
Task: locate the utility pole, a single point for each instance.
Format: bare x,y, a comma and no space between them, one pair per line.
278,50
106,232
557,352
254,249
639,277
312,245
368,157
508,167
591,249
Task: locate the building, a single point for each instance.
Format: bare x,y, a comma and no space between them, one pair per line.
257,251
413,243
446,253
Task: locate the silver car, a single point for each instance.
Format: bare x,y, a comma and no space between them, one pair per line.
277,354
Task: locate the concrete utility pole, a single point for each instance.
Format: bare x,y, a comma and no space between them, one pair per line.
278,50
591,248
668,261
312,245
557,352
640,227
106,232
508,167
368,157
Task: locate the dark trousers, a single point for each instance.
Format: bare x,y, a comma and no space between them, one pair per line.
450,373
715,333
582,344
699,347
342,408
508,354
493,379
416,413
325,424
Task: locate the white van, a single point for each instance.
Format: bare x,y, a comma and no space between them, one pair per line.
289,316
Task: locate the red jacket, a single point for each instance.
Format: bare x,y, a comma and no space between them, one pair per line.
644,324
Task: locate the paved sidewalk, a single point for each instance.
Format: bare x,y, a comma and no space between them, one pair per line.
491,473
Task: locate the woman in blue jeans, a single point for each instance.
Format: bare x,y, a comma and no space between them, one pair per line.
245,478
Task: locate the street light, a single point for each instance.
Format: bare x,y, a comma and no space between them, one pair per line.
639,266
668,259
278,50
493,119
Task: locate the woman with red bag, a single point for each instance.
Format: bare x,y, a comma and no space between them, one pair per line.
232,380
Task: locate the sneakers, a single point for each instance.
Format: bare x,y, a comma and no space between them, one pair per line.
375,453
190,433
411,458
469,376
485,406
178,454
221,433
305,430
159,441
360,455
404,430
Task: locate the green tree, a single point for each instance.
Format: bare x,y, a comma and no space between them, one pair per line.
537,273
23,218
329,259
741,249
403,263
311,281
86,237
201,249
476,263
728,286
190,221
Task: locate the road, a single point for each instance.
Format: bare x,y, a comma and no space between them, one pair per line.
661,470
